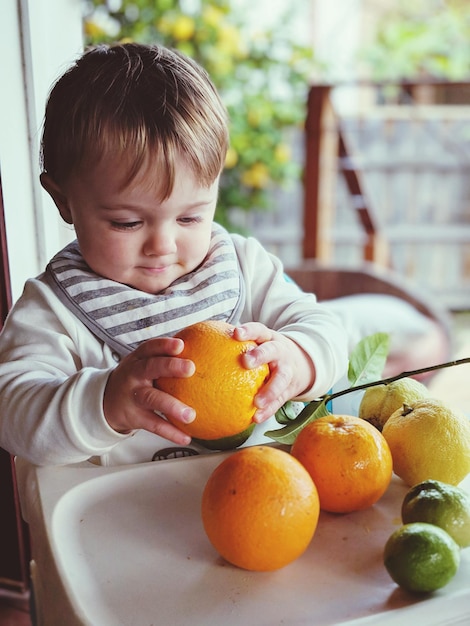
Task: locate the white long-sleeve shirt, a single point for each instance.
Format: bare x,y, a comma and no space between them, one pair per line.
53,370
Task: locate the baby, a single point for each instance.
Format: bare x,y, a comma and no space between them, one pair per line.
133,146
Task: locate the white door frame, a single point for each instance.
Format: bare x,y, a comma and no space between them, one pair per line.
40,38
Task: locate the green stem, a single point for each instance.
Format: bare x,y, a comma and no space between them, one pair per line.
386,381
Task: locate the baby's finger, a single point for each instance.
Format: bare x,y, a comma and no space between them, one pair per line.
276,392
159,346
254,331
158,425
263,353
153,399
152,368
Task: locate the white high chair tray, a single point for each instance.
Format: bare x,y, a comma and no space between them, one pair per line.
130,549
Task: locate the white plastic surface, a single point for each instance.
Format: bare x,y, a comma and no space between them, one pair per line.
130,549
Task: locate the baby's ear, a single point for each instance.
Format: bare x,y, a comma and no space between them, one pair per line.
58,196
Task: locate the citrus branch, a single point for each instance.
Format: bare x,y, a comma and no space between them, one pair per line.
386,381
317,408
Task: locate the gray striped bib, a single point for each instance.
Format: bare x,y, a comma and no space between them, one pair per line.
124,317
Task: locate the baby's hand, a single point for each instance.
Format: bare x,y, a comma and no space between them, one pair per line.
130,399
291,370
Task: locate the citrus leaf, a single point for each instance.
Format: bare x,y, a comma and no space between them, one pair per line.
368,358
312,411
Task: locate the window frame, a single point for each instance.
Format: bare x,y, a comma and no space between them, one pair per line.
40,38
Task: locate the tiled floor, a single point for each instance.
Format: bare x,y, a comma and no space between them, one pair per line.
451,385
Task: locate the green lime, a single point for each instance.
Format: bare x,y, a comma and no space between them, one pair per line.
421,557
439,503
227,443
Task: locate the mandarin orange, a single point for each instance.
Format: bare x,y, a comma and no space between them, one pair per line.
221,390
348,459
260,508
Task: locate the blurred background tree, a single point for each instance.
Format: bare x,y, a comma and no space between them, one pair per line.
420,38
262,77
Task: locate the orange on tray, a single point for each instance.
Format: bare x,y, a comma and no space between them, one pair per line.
348,459
260,508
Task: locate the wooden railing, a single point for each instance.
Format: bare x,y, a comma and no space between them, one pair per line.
333,155
324,146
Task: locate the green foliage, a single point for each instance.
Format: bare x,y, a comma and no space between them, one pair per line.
367,361
422,38
262,78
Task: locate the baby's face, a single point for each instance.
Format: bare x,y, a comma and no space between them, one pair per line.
130,236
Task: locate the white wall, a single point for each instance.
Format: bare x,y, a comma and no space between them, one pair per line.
39,40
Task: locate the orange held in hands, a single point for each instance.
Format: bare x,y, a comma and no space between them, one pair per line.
348,459
221,390
260,508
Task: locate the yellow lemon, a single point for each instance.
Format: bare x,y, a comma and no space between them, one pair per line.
380,401
428,440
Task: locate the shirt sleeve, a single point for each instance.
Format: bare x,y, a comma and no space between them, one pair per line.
274,300
52,379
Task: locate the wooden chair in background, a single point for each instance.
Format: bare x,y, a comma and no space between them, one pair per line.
413,351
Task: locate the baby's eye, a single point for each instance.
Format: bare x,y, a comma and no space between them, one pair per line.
125,225
190,219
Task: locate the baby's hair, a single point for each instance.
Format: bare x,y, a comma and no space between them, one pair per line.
133,101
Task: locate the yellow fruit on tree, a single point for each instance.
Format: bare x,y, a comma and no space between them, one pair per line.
428,440
260,508
380,401
221,390
184,28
